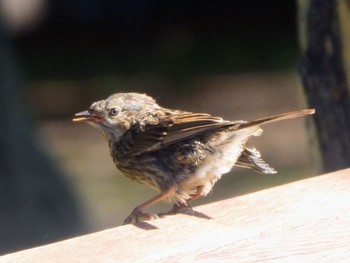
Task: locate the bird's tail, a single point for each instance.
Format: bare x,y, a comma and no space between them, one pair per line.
250,157
279,117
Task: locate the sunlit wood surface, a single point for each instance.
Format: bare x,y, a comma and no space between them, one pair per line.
305,221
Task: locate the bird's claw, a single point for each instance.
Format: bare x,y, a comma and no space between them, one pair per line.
138,213
177,208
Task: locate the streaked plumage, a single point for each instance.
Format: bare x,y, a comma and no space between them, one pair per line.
180,154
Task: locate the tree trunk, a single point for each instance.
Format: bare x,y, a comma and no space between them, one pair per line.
324,79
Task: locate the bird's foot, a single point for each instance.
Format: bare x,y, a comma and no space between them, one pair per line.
184,209
176,209
138,213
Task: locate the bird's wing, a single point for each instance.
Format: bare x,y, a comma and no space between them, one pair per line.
187,125
174,128
179,125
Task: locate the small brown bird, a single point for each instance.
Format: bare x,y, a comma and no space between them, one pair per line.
180,154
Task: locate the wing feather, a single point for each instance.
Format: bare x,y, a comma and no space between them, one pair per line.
176,126
172,129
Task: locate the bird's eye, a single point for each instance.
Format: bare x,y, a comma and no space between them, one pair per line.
114,111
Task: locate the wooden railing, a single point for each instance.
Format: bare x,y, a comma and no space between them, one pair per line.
304,221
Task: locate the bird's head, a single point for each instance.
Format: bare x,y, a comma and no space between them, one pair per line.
115,115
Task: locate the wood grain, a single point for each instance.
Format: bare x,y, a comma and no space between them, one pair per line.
307,221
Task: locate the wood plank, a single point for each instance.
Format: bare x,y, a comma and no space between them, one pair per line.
308,220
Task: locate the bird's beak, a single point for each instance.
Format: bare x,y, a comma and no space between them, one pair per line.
88,116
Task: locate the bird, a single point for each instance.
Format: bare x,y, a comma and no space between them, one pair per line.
178,153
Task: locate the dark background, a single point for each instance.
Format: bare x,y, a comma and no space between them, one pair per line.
170,37
153,46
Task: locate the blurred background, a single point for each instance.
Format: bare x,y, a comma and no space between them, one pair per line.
235,59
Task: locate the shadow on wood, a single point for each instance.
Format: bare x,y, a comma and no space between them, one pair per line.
306,221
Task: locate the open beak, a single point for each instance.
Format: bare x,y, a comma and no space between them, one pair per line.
88,116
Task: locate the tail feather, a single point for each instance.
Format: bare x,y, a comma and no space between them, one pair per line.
279,117
251,158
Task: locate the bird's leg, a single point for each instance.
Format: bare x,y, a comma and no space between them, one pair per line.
138,212
178,207
198,194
